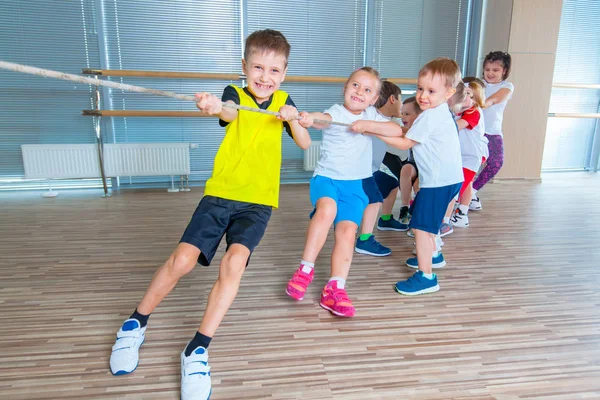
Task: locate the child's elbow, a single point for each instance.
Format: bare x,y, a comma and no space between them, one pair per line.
305,144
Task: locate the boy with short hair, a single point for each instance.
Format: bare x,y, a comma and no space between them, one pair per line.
237,202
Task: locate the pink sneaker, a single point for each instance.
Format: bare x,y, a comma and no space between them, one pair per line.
297,286
337,301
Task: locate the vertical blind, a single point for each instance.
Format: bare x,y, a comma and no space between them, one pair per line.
568,140
53,35
328,39
409,33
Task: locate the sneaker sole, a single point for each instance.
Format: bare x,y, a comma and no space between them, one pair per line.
356,249
424,291
335,312
208,398
446,233
434,266
288,293
123,372
391,229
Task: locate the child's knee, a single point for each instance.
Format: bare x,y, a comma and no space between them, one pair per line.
180,263
346,229
234,263
326,210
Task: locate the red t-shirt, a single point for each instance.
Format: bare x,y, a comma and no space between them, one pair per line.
471,116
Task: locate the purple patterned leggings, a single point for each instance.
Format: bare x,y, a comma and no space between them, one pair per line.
494,162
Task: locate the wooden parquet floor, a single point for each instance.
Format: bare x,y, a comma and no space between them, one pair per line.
517,316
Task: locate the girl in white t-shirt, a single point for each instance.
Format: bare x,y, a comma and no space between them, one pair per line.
496,68
473,145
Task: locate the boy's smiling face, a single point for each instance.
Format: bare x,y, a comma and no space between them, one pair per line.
264,72
432,91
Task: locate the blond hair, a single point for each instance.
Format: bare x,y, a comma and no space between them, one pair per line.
476,85
446,68
456,101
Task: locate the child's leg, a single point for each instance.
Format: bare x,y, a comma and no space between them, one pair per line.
369,218
182,261
318,228
407,175
494,162
465,199
341,258
225,288
425,242
334,297
389,201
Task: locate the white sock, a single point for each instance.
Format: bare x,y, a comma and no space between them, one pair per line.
307,266
446,220
435,253
341,282
464,209
474,194
428,276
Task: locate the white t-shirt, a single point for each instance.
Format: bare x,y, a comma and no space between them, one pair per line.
437,153
346,155
493,115
379,148
472,143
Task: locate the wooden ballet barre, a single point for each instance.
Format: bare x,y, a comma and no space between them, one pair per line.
576,86
574,115
225,77
141,113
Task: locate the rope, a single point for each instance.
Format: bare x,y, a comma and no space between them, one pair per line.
46,73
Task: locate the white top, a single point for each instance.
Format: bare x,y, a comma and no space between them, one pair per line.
379,149
493,115
346,155
472,144
437,153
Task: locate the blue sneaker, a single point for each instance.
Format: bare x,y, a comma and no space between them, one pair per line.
371,247
417,284
436,262
391,225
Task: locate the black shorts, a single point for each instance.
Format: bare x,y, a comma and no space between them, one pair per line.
395,164
410,162
244,223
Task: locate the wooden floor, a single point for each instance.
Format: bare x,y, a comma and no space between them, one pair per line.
517,316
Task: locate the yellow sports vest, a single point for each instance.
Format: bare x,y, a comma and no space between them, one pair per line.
248,162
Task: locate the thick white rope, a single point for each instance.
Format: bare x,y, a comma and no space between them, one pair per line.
46,73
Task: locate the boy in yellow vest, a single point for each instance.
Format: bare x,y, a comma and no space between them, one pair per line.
237,202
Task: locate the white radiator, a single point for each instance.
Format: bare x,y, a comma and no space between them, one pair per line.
67,161
146,159
311,156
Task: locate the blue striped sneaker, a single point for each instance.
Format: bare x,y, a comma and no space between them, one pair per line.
125,358
417,284
391,225
436,262
195,375
371,247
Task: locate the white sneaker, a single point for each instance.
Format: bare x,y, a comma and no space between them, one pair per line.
195,375
475,204
459,219
125,358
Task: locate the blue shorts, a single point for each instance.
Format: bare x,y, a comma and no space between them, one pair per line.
379,186
349,196
430,206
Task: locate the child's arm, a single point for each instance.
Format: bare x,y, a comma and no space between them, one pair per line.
389,132
299,133
462,124
498,97
210,104
308,120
